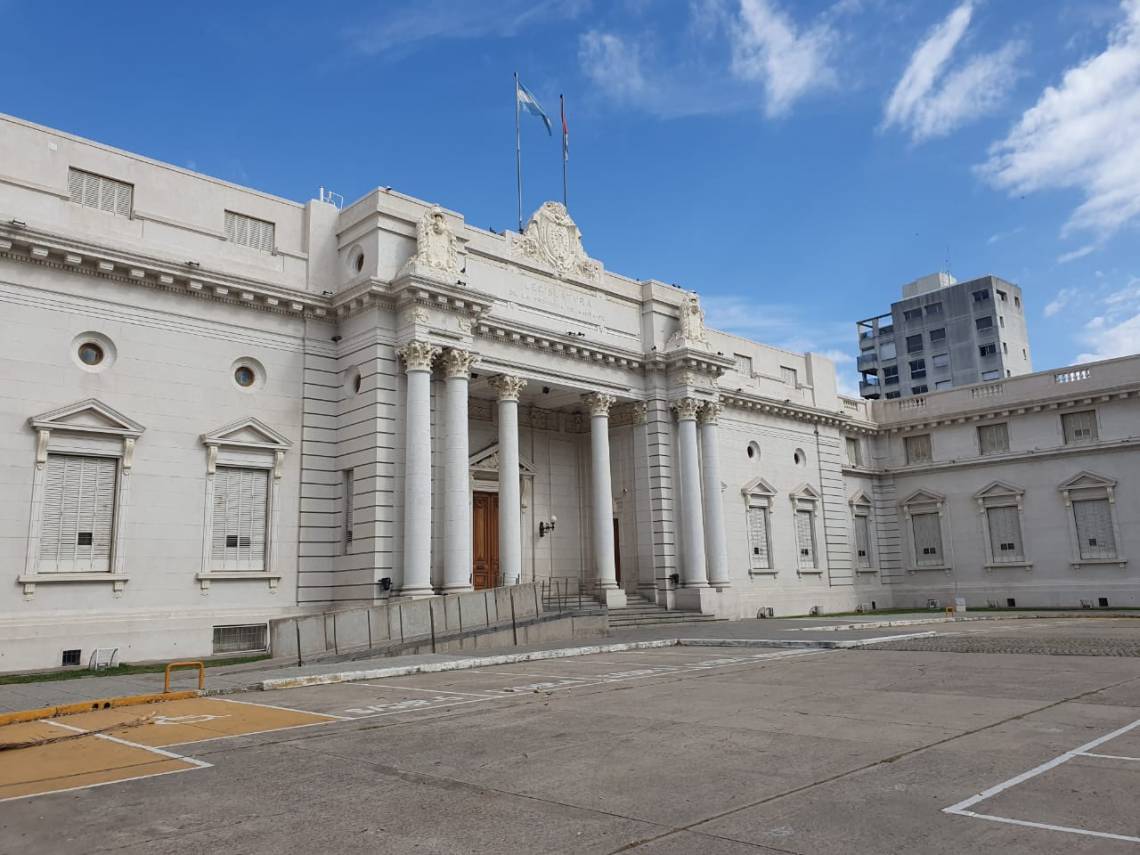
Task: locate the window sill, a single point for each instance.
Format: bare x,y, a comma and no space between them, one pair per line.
1001,565
870,571
763,572
204,579
1099,562
809,571
938,568
29,581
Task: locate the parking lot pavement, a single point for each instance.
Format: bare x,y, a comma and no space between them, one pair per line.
674,750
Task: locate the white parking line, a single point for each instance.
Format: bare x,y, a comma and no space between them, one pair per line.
1108,756
960,809
419,689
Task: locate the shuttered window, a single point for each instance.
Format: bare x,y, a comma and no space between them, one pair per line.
1079,427
993,439
249,231
349,490
1005,535
240,497
805,540
918,448
95,191
758,539
862,541
927,539
1094,528
78,514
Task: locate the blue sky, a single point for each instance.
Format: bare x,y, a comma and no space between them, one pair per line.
796,161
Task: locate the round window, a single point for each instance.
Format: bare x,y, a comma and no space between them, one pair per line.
244,376
359,263
356,383
753,450
799,457
90,353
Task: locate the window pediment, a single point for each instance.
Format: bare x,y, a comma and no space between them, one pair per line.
999,490
87,416
1086,481
859,499
758,487
487,460
247,433
805,491
923,497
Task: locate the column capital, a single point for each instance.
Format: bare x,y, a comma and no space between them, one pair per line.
418,355
457,363
508,386
687,408
599,403
710,412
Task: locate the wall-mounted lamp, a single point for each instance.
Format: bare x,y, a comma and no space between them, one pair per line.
545,528
385,583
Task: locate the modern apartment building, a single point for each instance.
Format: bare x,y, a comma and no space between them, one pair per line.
944,334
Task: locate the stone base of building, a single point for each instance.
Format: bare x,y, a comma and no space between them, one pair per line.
612,598
703,600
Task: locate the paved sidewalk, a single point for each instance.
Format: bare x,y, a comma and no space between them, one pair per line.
22,696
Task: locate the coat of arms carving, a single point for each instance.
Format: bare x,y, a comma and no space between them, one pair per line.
437,249
553,238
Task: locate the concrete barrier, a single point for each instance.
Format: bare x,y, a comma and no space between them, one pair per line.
477,620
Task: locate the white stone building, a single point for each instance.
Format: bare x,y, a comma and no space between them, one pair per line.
218,407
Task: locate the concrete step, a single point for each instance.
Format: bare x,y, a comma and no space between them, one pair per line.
656,621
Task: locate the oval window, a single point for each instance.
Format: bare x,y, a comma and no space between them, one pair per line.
244,376
90,353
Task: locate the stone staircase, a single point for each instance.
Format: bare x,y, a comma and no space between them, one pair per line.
642,613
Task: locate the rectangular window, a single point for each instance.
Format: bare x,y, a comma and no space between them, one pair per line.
743,364
941,360
938,335
993,439
934,310
987,349
862,541
1094,528
981,296
1005,535
889,329
920,389
986,323
240,500
890,395
1002,296
1017,301
943,384
805,538
788,375
249,231
927,539
917,369
918,448
991,375
1001,321
853,455
95,191
1004,347
914,343
890,374
247,638
758,539
912,314
79,514
348,500
1079,427
887,350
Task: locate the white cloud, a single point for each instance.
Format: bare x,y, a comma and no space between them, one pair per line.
790,62
1066,257
1084,134
1062,299
1000,236
929,103
613,65
412,25
1115,331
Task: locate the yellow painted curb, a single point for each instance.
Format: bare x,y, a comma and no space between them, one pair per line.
88,706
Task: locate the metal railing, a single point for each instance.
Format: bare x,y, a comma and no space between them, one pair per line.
557,596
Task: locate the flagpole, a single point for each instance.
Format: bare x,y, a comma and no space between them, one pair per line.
562,107
518,151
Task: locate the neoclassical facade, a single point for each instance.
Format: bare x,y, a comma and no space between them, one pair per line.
220,407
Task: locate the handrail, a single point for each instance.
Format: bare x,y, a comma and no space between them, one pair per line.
170,666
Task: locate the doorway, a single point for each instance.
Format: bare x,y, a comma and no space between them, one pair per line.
485,540
617,551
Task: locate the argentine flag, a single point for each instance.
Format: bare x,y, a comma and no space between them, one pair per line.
529,103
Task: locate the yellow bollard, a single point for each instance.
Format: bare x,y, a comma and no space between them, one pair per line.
185,664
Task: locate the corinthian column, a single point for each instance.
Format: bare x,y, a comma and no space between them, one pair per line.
417,356
601,500
714,504
693,559
456,479
510,492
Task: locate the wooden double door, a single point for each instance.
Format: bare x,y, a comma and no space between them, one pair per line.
485,541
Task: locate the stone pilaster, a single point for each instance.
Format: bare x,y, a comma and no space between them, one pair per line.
417,357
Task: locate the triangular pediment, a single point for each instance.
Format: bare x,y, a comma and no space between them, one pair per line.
998,488
487,460
1086,480
859,498
758,487
88,416
805,491
248,432
919,497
